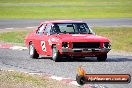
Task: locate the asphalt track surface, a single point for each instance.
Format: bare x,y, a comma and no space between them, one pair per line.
21,23
19,60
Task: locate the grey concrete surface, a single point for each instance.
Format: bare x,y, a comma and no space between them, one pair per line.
115,64
112,22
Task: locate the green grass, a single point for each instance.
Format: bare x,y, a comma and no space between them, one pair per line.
70,9
14,36
121,38
13,79
21,80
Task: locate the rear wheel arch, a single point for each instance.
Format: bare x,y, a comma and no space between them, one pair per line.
32,51
30,42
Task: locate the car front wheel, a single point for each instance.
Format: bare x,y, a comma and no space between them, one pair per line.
55,54
102,57
32,51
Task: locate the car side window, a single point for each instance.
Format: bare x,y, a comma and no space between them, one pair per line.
48,28
41,29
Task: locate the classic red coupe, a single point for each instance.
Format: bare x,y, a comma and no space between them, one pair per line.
66,38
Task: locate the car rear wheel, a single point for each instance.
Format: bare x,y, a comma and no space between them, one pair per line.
32,51
55,54
102,57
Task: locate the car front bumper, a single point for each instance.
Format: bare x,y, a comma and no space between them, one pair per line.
84,51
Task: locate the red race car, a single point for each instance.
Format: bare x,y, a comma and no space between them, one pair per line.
67,38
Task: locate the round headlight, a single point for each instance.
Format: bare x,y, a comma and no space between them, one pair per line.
64,44
107,45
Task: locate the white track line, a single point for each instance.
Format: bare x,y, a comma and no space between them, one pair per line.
56,78
74,83
18,28
18,48
29,27
9,28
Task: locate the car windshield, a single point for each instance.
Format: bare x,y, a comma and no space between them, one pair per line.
71,28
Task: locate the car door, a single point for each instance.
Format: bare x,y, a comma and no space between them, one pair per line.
41,39
48,43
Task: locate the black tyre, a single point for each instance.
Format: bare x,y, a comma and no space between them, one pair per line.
32,51
55,54
102,57
81,80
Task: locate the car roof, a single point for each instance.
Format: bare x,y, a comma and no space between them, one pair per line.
64,21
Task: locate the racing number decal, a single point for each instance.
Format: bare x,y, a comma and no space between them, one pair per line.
43,45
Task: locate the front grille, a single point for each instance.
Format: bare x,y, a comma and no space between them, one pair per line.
86,44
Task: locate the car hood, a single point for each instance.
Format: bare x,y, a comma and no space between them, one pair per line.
81,38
